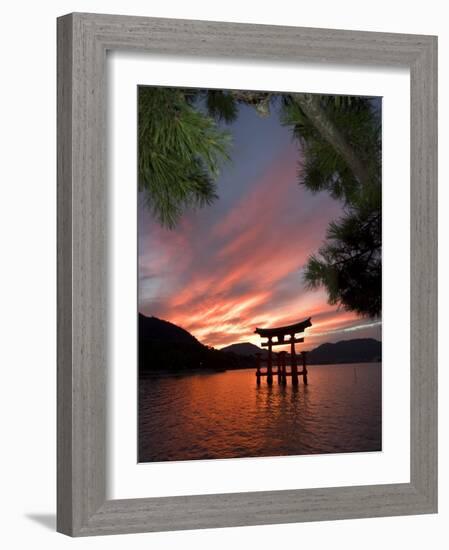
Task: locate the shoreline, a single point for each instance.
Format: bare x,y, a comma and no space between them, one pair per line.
177,373
191,372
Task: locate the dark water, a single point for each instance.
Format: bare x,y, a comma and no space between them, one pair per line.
226,415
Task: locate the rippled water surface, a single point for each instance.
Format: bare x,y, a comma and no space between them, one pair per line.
225,415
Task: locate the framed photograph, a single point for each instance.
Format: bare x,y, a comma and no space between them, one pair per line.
247,280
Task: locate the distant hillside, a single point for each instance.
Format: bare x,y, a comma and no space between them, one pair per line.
243,348
166,347
361,350
154,329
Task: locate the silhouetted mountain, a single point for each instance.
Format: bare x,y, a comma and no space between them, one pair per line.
244,348
361,350
358,350
154,329
164,346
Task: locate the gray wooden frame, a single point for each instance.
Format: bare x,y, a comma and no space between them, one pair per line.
83,40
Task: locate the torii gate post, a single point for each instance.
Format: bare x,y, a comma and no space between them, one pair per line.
293,363
282,355
270,363
279,367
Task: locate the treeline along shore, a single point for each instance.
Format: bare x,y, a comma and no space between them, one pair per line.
165,348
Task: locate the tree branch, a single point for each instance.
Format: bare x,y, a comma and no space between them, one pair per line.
310,104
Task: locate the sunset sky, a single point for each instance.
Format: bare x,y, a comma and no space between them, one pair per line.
237,264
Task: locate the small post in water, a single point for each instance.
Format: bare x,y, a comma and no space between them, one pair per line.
304,367
258,361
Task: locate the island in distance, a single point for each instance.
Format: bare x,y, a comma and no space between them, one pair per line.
165,347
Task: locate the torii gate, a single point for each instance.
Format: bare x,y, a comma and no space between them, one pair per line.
296,336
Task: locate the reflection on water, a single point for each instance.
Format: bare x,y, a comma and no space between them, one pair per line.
226,415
